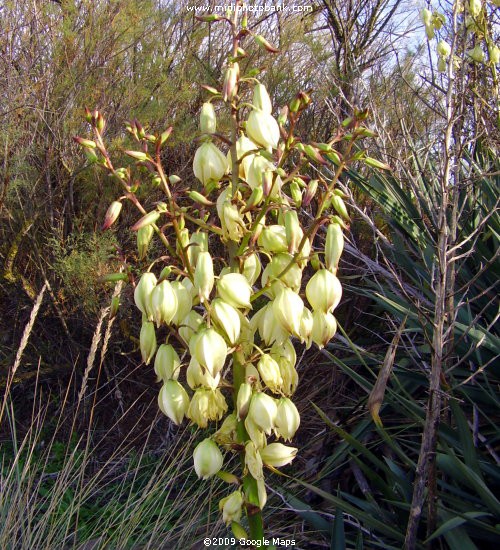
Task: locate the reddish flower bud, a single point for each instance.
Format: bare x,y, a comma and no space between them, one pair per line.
112,214
231,82
261,41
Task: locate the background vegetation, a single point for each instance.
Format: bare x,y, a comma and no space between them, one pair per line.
399,413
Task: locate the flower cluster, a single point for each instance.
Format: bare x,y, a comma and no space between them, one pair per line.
475,29
214,313
250,270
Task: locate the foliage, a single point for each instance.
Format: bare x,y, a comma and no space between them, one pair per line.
381,457
80,260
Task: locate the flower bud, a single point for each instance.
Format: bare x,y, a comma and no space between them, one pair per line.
227,317
208,121
246,335
167,363
293,231
287,308
277,454
182,241
263,411
296,194
165,273
261,99
286,351
112,214
292,278
147,341
198,376
261,492
243,400
143,292
324,291
294,105
234,289
340,207
426,16
113,278
144,236
189,325
263,129
273,239
207,459
173,401
314,154
475,7
252,375
306,326
204,276
163,303
197,243
494,52
209,349
270,373
209,163
231,507
199,198
206,405
334,246
230,86
289,375
263,43
148,219
476,54
441,65
443,49
88,143
252,268
429,31
324,328
310,192
184,302
113,308
287,419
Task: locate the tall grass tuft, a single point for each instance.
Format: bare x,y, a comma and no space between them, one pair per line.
61,489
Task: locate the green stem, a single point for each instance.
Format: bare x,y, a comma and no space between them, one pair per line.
254,514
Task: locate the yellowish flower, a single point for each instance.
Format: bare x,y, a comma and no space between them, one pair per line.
207,459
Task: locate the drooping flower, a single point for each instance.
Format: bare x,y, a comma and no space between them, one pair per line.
207,459
263,129
209,163
173,401
277,454
235,289
147,341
